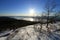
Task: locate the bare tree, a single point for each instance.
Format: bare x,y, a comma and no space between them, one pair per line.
49,9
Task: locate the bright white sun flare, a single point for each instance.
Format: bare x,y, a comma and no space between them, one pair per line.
31,12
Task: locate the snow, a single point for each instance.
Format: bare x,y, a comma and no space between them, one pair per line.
33,33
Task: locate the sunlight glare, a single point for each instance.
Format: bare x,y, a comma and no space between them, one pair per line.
31,19
31,12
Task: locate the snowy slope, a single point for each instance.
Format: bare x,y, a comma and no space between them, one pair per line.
33,33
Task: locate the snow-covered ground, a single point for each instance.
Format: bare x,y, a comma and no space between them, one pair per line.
32,32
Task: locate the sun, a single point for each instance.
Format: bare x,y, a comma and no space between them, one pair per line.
31,12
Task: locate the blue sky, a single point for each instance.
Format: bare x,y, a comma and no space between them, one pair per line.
21,7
